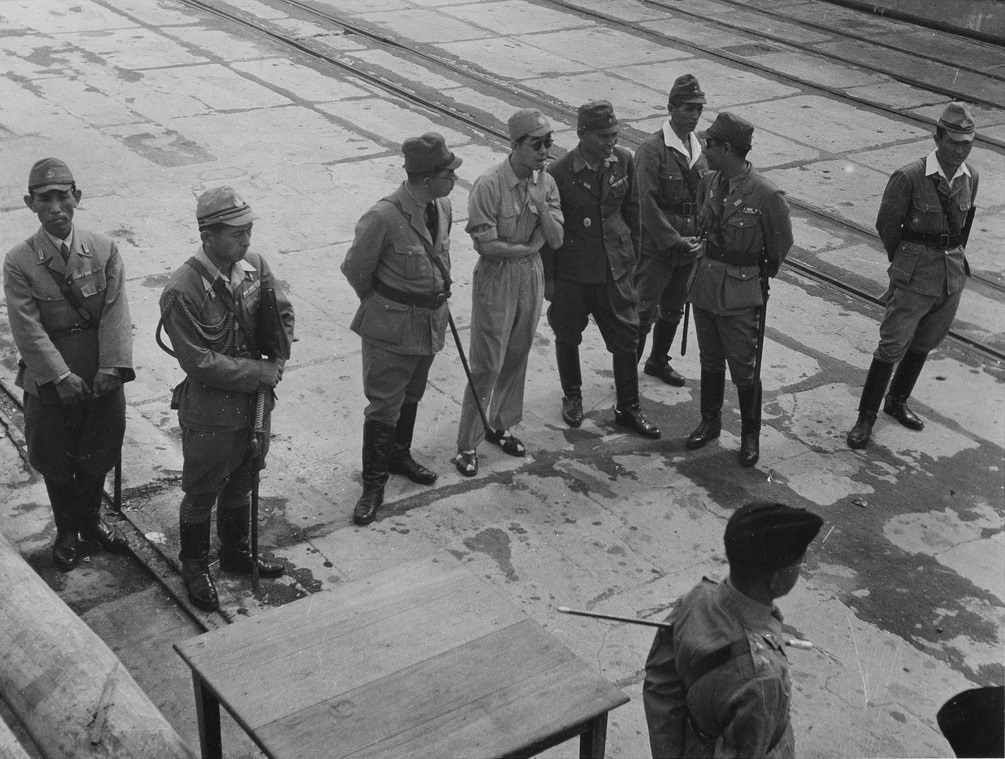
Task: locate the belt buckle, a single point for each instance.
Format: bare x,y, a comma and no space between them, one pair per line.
944,242
687,209
439,299
71,330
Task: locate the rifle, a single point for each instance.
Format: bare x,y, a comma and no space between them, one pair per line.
700,236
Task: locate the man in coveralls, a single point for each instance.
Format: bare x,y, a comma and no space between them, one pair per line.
749,233
924,222
399,266
594,267
668,167
717,682
209,308
69,317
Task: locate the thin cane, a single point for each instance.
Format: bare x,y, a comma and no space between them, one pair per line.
255,480
467,371
765,289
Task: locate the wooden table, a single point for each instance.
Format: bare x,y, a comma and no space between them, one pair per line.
421,660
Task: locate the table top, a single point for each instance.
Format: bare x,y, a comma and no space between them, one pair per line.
422,659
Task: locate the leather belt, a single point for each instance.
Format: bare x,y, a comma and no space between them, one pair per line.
730,257
70,330
416,300
683,209
931,239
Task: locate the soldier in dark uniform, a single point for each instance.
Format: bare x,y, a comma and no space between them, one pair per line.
668,167
591,274
924,222
399,266
747,223
717,682
69,317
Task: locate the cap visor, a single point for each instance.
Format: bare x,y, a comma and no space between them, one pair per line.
960,136
453,164
543,131
246,217
46,187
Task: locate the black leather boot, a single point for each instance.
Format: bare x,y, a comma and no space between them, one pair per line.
658,363
750,423
233,526
194,556
377,441
640,348
626,387
570,375
713,387
62,498
900,390
872,394
401,453
92,527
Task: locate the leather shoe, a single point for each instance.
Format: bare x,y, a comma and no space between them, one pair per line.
411,469
858,437
706,431
367,505
237,559
633,419
66,551
664,372
199,584
572,410
903,414
107,536
750,447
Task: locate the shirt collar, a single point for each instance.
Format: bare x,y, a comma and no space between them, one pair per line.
932,166
512,180
671,140
234,273
57,242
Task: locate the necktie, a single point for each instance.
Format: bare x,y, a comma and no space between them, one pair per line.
65,253
432,219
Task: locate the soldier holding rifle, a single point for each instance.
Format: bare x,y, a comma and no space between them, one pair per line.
749,233
210,309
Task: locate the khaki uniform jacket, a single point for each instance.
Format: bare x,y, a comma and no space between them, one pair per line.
392,244
41,318
222,366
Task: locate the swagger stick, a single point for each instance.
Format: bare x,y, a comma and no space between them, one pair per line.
467,370
765,288
256,459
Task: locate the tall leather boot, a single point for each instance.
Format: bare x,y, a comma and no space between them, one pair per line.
750,423
194,556
570,375
900,390
640,349
872,394
713,387
377,441
658,363
233,526
626,388
92,527
62,498
401,452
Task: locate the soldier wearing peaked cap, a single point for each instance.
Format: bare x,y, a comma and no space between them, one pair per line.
399,266
924,223
210,308
69,317
596,263
717,682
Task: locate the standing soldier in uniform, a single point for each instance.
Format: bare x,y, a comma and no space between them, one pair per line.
210,309
924,222
594,266
70,321
749,234
668,167
399,266
717,682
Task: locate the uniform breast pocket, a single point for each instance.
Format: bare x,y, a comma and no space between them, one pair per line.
671,185
409,260
506,226
741,232
54,309
926,216
88,284
619,186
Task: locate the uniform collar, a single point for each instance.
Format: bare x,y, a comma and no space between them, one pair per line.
408,200
579,161
932,166
748,610
240,271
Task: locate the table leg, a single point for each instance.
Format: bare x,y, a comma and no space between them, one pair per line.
208,710
592,743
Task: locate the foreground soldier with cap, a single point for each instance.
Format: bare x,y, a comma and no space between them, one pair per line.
669,164
924,222
513,210
69,317
399,266
717,683
209,308
591,274
748,235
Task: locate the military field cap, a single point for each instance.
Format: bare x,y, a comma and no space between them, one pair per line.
730,128
958,123
686,90
528,122
974,721
597,116
769,536
222,205
49,173
428,154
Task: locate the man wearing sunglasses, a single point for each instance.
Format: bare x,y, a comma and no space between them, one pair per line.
513,210
595,264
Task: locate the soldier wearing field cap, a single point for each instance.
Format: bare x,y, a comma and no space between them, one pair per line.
399,266
748,233
668,164
69,317
924,223
717,683
592,273
209,309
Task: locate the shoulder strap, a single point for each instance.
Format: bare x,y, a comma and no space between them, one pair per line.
71,297
222,292
436,262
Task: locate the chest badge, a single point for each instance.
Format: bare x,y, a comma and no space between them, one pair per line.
587,222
